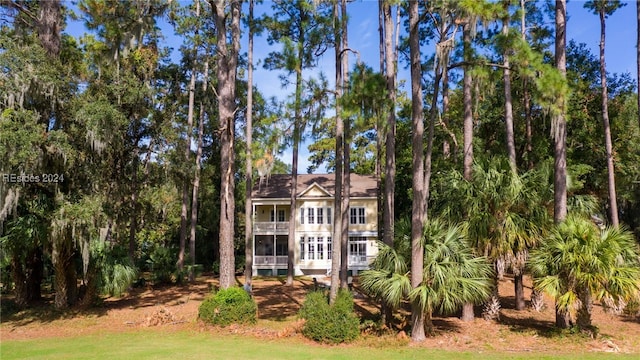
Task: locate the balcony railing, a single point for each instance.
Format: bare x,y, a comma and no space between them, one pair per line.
269,260
360,260
271,226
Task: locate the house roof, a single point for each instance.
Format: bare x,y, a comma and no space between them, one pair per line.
279,185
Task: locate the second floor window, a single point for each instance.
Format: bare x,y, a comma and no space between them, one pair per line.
311,215
320,215
357,215
329,219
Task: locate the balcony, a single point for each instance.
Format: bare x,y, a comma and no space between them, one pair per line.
269,260
360,260
271,227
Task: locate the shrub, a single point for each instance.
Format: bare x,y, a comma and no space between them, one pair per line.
162,262
228,306
331,324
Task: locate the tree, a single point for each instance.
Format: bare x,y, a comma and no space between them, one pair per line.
452,274
248,209
304,32
604,8
560,138
187,151
418,215
579,263
508,106
338,218
227,72
390,143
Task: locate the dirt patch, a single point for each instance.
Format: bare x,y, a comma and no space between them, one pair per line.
176,308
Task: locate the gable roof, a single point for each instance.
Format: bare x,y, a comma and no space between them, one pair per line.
279,185
315,186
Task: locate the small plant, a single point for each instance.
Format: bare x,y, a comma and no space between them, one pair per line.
162,262
228,306
331,324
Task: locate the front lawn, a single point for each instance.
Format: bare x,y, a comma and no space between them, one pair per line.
193,344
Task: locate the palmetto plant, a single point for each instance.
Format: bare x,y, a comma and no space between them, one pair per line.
504,212
452,274
579,263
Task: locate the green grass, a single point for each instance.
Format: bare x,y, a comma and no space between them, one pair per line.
156,344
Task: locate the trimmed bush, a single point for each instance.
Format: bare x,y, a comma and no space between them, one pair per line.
228,306
330,324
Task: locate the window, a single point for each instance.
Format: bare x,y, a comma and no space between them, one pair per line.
329,216
312,248
311,215
320,215
301,215
273,216
357,250
281,217
329,250
320,248
357,215
302,248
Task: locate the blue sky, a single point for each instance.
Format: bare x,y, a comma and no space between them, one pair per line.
583,27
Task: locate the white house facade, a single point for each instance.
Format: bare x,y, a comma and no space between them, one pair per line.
314,224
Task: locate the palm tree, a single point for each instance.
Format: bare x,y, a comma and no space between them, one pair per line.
452,274
504,212
579,263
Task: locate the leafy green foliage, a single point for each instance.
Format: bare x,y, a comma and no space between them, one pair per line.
452,274
333,324
228,306
116,273
162,262
578,259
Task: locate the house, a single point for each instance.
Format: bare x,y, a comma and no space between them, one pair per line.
314,224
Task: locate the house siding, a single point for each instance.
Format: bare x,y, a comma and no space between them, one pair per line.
314,197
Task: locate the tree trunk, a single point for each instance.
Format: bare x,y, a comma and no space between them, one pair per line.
508,105
61,256
248,205
35,274
446,145
336,249
560,131
196,178
49,26
417,212
467,309
21,289
467,312
526,97
346,170
187,152
294,165
583,316
563,319
613,202
390,158
227,71
468,104
133,226
519,291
